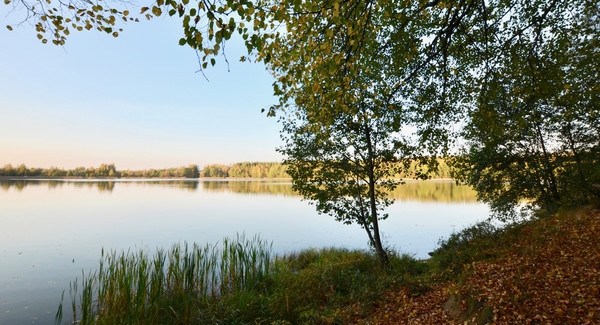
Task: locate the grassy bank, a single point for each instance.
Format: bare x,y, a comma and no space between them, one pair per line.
541,271
236,282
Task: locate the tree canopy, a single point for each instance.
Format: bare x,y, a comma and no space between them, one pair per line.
533,131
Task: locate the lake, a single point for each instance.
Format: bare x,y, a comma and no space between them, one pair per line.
51,230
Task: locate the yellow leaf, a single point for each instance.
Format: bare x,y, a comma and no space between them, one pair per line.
156,11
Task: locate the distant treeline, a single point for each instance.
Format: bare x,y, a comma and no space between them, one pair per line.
278,170
246,170
237,170
103,171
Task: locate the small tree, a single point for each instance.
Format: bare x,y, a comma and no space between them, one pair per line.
344,168
191,171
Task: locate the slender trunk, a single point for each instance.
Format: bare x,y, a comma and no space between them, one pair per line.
363,219
381,253
578,163
547,165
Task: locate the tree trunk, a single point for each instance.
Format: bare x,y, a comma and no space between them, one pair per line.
381,253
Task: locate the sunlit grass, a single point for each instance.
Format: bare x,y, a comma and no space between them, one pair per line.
238,281
175,286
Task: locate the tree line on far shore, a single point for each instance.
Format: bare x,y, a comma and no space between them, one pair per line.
279,170
246,170
236,170
102,171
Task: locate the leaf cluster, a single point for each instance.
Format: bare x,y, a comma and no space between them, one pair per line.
55,20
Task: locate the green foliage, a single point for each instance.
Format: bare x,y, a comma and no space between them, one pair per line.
340,113
533,133
220,171
207,25
345,168
240,170
508,71
191,171
104,170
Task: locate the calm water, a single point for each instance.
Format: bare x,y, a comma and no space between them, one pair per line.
52,230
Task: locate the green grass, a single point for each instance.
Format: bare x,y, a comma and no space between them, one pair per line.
236,282
332,285
181,286
481,241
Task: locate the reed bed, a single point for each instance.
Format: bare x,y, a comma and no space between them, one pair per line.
178,286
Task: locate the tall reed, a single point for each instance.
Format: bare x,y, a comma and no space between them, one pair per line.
178,286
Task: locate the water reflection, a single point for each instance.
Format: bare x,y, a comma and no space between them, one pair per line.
249,187
424,191
434,191
102,185
53,229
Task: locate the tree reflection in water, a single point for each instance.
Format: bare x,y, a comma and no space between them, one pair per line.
423,191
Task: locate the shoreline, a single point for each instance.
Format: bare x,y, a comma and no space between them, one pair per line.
69,178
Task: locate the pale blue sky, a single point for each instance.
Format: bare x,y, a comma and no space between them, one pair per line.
135,100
